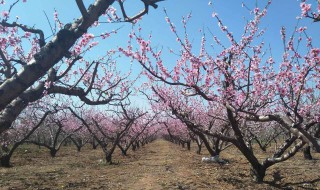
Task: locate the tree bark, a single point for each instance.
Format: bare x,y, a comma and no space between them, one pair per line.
123,150
79,148
53,152
94,144
134,147
307,153
109,157
199,148
258,174
189,145
5,161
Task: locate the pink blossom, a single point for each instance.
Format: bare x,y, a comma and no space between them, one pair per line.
305,8
256,10
55,15
315,52
167,19
302,29
47,84
27,34
214,14
283,33
5,14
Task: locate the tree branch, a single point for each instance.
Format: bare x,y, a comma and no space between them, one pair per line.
26,29
82,9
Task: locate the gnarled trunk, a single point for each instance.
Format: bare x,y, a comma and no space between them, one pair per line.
109,157
199,148
134,147
189,145
94,145
258,174
5,161
123,150
307,153
53,152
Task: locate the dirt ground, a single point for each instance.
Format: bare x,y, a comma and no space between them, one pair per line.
158,165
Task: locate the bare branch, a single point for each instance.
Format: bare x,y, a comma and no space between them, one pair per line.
147,3
122,9
92,78
82,9
69,67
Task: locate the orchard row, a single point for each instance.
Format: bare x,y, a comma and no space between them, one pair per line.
227,92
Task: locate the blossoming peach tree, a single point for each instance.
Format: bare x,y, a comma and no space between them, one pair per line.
29,122
112,128
243,86
34,64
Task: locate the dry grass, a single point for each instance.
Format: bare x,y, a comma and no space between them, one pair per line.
159,165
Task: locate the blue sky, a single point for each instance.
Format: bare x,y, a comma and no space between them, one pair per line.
281,13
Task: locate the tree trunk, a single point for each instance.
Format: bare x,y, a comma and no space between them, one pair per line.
199,148
94,144
189,145
5,161
65,143
109,157
134,147
307,153
258,174
218,151
249,145
53,152
123,151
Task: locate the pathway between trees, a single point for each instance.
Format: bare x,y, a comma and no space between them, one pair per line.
158,165
165,165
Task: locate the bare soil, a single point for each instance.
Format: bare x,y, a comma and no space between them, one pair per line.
158,165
